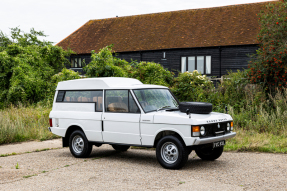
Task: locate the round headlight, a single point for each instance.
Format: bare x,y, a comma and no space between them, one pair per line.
202,131
228,126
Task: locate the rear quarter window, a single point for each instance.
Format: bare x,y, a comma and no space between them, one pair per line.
82,96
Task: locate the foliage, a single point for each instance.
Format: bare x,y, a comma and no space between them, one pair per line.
20,123
192,86
250,140
262,118
104,64
152,73
65,74
269,65
26,66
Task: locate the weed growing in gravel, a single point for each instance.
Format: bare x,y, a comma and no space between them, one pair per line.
17,166
44,171
66,165
39,150
29,176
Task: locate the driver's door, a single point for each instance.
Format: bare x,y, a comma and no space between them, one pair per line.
121,118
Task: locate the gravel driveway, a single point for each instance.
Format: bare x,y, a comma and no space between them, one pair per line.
137,169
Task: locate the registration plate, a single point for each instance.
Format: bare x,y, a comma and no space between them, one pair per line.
218,144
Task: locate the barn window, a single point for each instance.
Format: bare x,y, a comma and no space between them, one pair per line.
77,62
200,63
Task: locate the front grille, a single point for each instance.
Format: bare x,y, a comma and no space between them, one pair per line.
212,130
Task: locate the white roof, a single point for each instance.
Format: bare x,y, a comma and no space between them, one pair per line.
104,83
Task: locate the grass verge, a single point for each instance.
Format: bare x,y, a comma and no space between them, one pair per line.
18,124
250,141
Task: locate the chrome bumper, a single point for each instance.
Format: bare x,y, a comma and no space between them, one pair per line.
214,139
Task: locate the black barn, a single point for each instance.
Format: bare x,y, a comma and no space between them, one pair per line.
211,40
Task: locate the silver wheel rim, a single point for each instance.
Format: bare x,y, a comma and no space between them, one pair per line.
78,144
169,152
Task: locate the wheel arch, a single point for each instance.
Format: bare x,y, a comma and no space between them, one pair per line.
70,130
164,133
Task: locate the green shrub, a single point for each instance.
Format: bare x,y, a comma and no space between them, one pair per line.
64,75
26,67
152,73
192,86
104,64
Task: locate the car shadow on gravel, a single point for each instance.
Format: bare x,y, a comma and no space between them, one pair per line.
198,164
148,157
129,157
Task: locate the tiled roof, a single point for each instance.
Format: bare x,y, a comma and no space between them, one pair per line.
219,26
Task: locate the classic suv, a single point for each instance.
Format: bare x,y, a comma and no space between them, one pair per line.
123,112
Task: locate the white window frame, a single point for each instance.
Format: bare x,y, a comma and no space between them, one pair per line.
207,66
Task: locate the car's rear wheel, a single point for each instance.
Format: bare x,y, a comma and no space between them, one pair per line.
79,145
121,147
208,153
171,153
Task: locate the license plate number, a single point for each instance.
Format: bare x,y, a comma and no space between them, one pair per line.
218,144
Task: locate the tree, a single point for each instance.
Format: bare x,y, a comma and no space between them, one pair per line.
104,64
152,73
269,65
27,65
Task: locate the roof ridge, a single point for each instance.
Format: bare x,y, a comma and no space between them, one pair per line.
207,27
223,6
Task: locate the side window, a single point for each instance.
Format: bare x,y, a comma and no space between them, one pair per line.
133,108
82,97
120,101
60,96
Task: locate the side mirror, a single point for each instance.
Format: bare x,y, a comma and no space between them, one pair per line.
188,113
226,110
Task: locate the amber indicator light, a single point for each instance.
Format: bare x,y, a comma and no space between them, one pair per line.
195,129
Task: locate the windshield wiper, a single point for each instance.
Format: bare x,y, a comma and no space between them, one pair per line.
163,107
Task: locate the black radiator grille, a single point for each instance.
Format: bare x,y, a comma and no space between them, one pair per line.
212,130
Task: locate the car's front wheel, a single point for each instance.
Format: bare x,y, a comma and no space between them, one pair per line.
79,144
171,153
208,153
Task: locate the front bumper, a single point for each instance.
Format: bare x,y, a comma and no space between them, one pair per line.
214,139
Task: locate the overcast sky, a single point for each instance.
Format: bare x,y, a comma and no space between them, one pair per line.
59,18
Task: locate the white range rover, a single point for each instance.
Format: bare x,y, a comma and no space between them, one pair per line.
123,112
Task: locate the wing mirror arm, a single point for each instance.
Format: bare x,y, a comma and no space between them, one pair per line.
188,113
226,109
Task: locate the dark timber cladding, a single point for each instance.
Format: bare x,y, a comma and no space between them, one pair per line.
232,57
198,34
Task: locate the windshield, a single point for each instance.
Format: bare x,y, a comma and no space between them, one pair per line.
155,99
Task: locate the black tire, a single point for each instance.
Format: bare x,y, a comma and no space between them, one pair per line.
196,107
166,147
208,153
189,150
79,145
121,148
